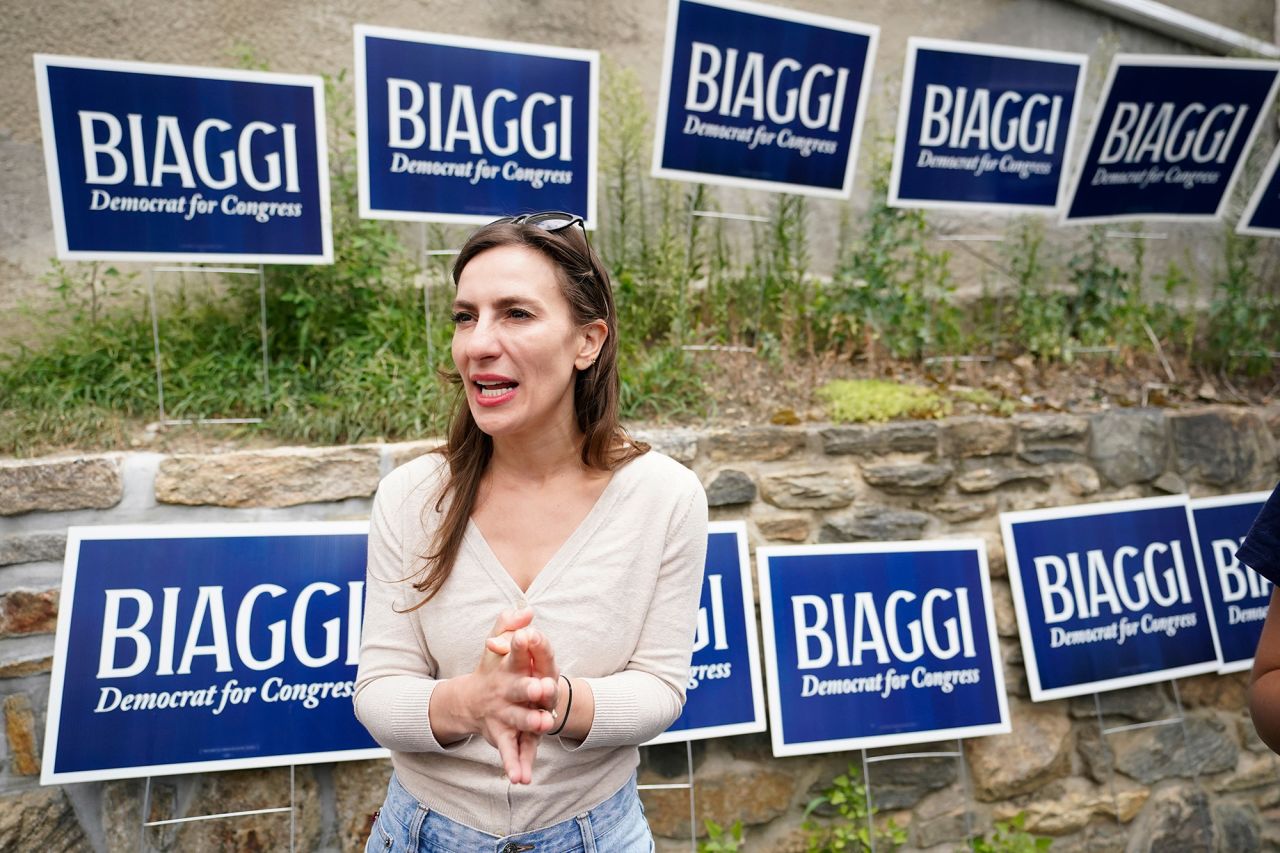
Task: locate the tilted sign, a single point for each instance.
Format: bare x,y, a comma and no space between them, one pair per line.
456,129
1238,595
1109,595
984,126
879,644
1170,137
725,693
165,162
1261,217
761,97
186,648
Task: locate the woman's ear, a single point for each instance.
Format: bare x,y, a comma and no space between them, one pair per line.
593,337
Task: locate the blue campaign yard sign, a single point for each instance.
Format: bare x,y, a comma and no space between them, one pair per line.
984,126
1170,137
1261,217
456,129
760,97
1109,595
1239,596
193,648
163,162
725,694
879,644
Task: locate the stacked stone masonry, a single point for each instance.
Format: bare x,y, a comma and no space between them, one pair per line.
1209,785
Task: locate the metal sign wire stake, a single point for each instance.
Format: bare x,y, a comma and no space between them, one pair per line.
676,786
866,786
262,325
695,214
1106,731
426,284
291,809
957,754
155,348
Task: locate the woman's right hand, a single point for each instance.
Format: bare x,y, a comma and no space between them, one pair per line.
505,697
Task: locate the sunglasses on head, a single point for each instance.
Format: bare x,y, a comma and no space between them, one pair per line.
547,220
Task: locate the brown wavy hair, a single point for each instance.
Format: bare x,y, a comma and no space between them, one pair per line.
605,445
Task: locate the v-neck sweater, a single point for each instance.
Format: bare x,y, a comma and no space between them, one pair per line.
617,601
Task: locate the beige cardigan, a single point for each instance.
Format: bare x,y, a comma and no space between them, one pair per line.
618,601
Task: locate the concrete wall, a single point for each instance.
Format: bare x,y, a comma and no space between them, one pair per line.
1144,790
315,36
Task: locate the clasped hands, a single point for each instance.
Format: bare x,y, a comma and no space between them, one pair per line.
514,691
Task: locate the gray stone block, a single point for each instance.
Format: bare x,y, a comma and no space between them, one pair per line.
32,548
40,819
55,485
281,477
874,523
902,784
988,478
680,444
808,490
761,444
1129,445
1174,819
911,478
1036,752
1150,755
731,487
1221,447
978,436
874,439
1036,428
1238,828
1050,455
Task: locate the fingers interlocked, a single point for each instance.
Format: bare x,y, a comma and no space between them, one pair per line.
520,672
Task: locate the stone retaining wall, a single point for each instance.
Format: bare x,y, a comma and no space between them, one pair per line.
1208,785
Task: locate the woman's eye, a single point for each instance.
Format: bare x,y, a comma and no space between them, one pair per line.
519,314
460,317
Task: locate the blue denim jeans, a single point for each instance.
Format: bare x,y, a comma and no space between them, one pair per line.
404,825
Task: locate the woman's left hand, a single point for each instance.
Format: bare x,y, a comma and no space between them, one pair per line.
531,646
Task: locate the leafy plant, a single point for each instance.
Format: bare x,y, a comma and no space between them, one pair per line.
1108,308
1008,836
722,840
1039,315
893,283
848,796
1244,318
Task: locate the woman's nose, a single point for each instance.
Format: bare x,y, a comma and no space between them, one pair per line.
483,341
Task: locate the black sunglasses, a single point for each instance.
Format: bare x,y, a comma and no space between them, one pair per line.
547,220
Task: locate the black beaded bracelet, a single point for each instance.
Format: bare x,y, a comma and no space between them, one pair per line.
568,706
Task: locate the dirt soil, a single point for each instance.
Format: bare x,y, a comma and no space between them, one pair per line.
755,392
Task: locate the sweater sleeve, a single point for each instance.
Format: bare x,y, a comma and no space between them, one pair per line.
396,675
640,702
1261,548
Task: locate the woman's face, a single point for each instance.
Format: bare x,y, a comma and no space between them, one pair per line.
516,344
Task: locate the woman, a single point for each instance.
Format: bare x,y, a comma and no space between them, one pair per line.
1260,551
535,581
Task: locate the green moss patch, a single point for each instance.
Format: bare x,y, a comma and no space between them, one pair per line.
876,400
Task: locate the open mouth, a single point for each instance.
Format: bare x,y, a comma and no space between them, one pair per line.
493,390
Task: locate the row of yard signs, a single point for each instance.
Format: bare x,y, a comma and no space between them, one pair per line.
211,647
193,164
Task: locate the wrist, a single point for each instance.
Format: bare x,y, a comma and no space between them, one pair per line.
458,705
564,705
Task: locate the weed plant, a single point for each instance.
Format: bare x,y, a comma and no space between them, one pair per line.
849,830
